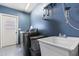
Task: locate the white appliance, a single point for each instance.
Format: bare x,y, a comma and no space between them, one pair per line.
8,29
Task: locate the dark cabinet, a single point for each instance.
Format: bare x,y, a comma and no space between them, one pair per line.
31,45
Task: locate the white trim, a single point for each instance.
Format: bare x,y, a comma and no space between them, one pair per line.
0,32
17,28
10,15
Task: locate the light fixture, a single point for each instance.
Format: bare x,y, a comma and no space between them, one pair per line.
27,6
48,10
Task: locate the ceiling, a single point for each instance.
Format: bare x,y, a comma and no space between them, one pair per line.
27,7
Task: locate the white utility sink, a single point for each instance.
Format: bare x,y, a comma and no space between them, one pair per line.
56,46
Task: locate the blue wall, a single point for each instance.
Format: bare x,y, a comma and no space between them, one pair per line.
24,18
56,23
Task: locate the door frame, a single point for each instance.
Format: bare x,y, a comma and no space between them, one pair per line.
17,20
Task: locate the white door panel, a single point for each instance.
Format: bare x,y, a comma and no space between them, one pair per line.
9,30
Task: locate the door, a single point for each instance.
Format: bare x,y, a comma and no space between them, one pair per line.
9,30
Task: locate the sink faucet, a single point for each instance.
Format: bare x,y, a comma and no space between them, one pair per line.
60,35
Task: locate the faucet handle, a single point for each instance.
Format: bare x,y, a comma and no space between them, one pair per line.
64,35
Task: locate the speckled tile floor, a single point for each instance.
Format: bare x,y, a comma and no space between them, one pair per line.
15,50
